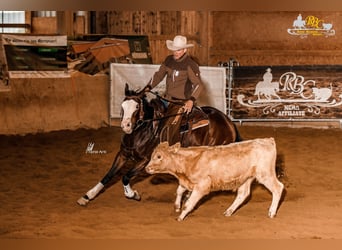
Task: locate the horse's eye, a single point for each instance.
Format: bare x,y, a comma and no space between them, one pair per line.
137,107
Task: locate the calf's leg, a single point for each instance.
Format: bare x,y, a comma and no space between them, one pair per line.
180,191
195,196
242,193
276,188
200,190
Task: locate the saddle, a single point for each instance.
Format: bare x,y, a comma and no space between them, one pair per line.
183,123
196,119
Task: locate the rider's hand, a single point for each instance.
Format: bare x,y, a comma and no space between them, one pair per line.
147,88
188,106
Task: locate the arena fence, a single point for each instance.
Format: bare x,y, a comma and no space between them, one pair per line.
303,93
284,93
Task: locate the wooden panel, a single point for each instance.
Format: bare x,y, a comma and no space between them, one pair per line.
163,25
120,22
101,22
169,22
44,25
158,48
80,26
259,38
252,38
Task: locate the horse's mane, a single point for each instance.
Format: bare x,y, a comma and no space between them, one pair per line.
148,108
131,92
152,107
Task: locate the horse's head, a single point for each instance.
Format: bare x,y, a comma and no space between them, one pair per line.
138,108
132,110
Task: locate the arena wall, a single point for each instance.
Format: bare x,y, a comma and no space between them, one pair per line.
38,105
263,38
251,37
34,105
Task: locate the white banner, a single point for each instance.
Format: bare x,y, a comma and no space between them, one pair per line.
23,40
138,75
39,74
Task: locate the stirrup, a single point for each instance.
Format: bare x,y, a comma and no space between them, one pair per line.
186,127
200,124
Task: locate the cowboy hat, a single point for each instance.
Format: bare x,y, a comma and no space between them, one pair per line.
179,42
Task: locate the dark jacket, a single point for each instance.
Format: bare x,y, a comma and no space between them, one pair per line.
183,79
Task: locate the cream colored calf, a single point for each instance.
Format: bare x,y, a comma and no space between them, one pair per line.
211,168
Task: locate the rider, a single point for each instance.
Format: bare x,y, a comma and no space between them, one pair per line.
183,85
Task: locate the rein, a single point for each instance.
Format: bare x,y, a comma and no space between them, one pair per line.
141,120
166,99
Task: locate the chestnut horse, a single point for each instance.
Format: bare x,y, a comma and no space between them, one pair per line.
142,122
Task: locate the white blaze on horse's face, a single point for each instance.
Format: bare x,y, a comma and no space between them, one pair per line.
128,109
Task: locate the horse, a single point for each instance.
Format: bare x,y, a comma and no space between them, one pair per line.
142,122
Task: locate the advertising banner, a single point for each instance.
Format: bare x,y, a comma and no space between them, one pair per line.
28,53
287,92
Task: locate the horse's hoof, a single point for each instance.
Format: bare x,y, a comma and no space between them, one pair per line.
83,201
136,196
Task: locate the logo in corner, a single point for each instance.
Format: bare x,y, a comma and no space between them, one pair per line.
311,25
90,149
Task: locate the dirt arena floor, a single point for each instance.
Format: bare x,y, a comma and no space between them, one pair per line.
43,175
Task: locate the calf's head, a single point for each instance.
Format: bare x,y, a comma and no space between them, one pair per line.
162,158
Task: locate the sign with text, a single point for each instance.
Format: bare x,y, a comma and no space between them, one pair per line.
35,53
311,26
287,92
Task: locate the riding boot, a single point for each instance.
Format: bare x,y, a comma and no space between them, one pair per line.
171,130
174,133
171,133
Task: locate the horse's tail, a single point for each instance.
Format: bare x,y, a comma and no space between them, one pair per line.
238,135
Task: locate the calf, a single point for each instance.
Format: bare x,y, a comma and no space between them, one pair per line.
204,169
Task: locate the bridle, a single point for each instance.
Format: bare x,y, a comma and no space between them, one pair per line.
141,120
138,100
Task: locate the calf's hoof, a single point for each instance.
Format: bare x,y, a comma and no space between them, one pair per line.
179,219
271,214
177,209
228,213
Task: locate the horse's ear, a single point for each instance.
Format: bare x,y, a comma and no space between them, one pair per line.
126,89
141,92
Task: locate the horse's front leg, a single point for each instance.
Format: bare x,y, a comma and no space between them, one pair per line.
118,163
129,192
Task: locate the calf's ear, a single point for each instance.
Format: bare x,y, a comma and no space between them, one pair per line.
164,145
174,148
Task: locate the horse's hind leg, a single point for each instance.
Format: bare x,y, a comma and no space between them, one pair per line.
128,191
93,192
